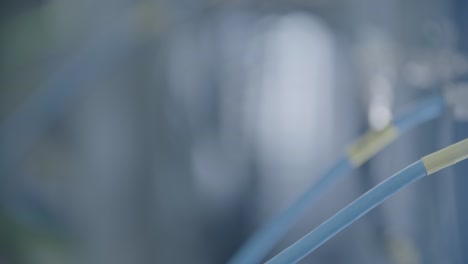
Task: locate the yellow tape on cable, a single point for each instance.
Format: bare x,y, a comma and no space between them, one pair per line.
369,144
446,157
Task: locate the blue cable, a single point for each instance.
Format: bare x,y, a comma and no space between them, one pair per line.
427,165
258,246
422,111
349,214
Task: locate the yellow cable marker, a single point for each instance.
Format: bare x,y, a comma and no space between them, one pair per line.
369,144
446,157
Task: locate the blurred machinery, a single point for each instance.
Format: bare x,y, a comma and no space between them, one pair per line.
168,131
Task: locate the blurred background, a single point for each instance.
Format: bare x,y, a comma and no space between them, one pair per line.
168,131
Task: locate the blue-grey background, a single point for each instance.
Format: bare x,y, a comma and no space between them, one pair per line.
168,131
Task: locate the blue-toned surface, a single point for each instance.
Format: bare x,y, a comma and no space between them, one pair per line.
461,182
62,90
349,214
422,111
460,131
265,239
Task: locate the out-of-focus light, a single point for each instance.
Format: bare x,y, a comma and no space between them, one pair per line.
296,87
457,97
377,57
379,116
294,120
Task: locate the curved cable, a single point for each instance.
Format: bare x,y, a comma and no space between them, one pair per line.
426,166
258,246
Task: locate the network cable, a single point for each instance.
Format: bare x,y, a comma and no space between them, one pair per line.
425,166
258,246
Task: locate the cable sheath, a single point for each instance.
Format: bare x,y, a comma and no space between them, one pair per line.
427,165
446,157
420,112
265,239
349,214
372,142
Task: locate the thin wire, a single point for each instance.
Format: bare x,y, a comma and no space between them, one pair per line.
349,214
258,246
